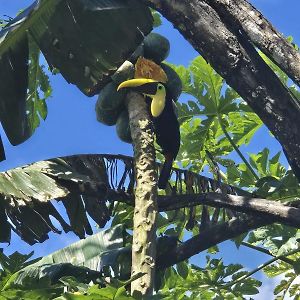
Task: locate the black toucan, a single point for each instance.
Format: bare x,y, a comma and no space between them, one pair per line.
165,123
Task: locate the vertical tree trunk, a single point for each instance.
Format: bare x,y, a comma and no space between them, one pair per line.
144,228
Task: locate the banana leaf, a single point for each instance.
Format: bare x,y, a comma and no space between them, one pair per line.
88,256
25,193
86,40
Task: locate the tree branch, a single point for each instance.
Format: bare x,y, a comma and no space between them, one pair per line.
274,211
234,57
267,263
208,238
262,33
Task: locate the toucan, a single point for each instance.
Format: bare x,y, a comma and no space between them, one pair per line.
164,119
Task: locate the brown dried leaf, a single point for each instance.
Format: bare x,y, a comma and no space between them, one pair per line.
145,68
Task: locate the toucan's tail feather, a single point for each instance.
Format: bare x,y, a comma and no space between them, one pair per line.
165,174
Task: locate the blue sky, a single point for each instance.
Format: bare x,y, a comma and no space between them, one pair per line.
71,126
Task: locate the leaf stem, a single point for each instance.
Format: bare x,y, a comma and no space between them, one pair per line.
265,251
236,148
260,268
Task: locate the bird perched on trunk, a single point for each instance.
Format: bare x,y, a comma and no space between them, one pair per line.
165,123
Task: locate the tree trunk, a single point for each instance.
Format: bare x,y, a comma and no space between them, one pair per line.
144,220
227,47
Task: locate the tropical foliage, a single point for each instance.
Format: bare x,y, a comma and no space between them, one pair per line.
88,66
216,126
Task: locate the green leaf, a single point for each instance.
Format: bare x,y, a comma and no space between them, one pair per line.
284,284
203,73
33,181
182,269
74,284
38,81
36,294
15,261
243,126
276,269
156,18
288,246
232,268
87,66
95,252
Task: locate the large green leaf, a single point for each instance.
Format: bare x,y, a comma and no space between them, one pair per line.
94,253
214,102
94,39
25,193
76,37
211,282
71,269
14,76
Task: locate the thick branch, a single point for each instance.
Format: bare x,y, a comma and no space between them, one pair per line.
208,238
145,211
274,211
234,57
261,33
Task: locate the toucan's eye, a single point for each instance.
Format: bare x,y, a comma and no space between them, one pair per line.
160,87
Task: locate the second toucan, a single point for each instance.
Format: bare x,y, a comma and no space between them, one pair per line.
165,123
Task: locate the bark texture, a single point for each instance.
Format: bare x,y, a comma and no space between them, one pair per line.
273,210
145,211
227,47
262,33
208,238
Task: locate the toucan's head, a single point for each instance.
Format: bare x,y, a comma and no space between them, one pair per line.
151,88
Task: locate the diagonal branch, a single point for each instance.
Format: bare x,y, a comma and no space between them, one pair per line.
233,56
265,251
262,33
208,238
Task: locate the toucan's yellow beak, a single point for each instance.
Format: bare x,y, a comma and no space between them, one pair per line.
135,83
151,88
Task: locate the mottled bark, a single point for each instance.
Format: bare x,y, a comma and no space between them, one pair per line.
228,49
145,211
262,33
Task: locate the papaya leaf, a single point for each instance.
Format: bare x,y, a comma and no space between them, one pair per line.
243,126
272,237
210,282
204,74
38,83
